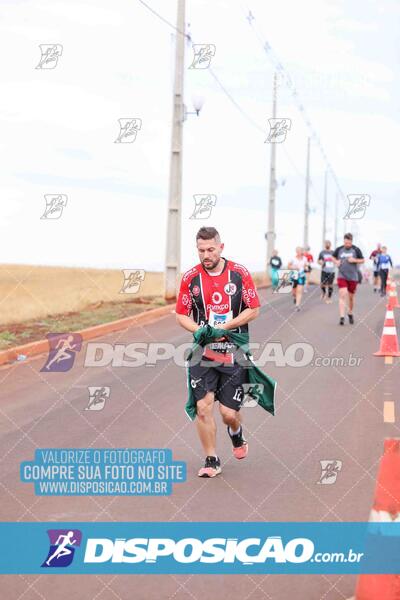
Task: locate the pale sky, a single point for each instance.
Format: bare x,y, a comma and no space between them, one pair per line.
59,126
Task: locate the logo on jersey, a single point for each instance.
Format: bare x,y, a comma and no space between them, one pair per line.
185,299
194,382
196,290
217,306
216,298
230,289
248,295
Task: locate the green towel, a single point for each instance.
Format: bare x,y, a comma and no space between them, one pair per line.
208,334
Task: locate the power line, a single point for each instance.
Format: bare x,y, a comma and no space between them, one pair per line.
269,52
236,104
163,19
229,95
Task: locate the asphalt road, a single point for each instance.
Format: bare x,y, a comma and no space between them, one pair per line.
323,413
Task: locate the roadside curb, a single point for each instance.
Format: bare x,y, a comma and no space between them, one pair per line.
41,346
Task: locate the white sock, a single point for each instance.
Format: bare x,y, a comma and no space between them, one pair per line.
234,432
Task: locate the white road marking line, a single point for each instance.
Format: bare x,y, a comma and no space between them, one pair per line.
388,411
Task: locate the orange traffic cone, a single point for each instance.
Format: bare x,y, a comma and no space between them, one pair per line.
393,300
386,509
389,343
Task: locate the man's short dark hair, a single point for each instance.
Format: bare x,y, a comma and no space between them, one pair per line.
348,236
207,233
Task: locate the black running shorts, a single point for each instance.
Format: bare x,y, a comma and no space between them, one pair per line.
327,278
225,380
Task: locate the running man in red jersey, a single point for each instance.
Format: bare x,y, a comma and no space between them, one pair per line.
221,293
308,268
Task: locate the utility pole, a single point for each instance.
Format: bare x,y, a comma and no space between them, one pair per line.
325,207
173,250
306,204
271,235
336,219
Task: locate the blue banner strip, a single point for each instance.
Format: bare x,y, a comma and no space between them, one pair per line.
219,548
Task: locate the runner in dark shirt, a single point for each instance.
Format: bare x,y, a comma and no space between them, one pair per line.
347,258
374,256
325,259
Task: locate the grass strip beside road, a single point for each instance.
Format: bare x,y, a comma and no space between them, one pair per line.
102,312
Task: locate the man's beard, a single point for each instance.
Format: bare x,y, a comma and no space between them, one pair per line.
210,267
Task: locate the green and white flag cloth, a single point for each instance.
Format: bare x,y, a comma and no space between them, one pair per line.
254,375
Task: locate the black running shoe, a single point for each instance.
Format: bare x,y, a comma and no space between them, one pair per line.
240,446
341,322
351,319
212,467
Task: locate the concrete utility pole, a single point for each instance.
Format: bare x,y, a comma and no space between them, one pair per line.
173,251
325,207
336,219
271,235
306,204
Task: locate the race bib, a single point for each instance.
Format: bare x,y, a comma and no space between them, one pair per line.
219,351
329,264
216,319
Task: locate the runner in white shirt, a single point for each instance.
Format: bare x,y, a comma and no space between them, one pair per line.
298,265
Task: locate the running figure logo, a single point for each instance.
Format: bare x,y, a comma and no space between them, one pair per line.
63,543
278,129
63,347
55,203
329,471
252,392
249,394
128,129
358,204
50,55
97,397
285,281
203,205
203,54
132,280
